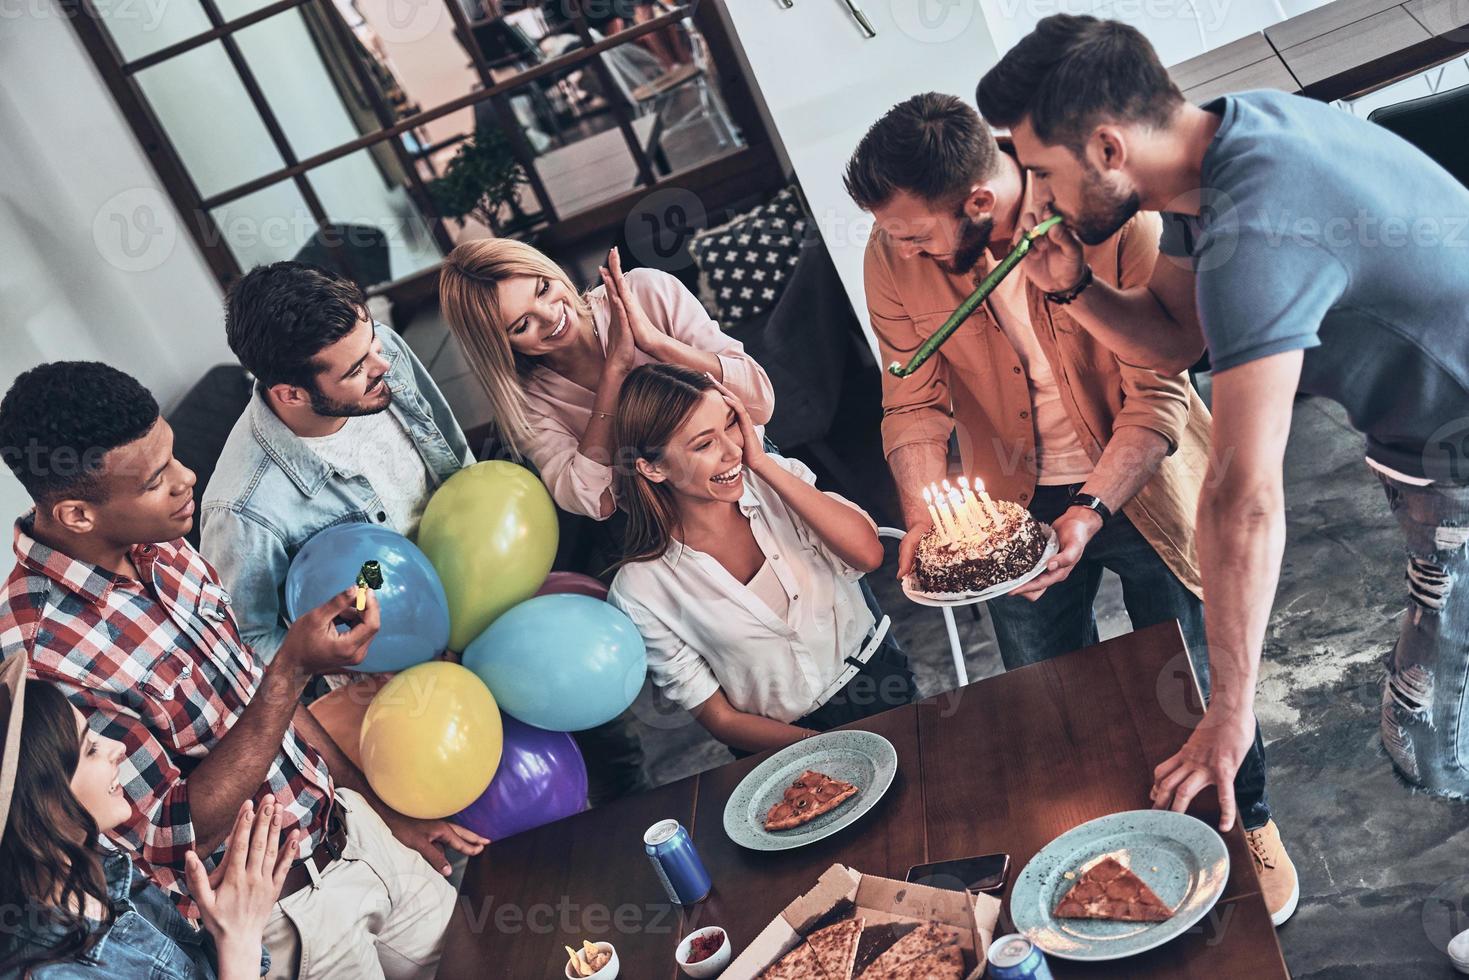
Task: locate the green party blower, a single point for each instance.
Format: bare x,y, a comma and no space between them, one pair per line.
970,304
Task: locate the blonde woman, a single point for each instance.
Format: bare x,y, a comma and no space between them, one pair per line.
741,575
553,360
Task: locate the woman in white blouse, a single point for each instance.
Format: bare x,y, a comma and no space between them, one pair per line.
741,576
552,360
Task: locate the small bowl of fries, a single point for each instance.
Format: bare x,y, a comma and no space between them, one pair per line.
594,961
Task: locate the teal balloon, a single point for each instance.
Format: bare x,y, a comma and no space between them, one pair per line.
564,663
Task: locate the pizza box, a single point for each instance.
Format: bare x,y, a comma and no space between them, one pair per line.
879,901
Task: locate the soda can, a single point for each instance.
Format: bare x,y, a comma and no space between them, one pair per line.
1014,957
676,863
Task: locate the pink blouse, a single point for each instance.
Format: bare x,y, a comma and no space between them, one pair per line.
560,409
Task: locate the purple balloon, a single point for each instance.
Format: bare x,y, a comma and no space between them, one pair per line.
573,583
541,778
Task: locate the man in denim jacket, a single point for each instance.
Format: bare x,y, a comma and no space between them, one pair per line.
344,424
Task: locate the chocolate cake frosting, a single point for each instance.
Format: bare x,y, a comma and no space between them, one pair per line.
973,564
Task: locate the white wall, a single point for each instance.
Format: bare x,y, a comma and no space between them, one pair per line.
93,263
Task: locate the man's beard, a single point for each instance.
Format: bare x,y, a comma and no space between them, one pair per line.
330,408
974,238
1104,210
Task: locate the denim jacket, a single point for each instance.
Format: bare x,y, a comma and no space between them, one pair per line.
270,493
149,939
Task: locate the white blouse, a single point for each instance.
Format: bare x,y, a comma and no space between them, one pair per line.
706,632
560,410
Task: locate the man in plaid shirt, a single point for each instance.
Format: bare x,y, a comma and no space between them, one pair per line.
118,611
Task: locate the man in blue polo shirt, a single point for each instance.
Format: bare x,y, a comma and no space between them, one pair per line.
1309,250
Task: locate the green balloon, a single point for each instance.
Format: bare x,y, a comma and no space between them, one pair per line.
490,532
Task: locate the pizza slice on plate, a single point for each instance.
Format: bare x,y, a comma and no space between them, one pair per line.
1109,890
812,794
799,964
836,947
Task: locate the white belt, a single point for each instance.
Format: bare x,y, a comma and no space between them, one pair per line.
855,664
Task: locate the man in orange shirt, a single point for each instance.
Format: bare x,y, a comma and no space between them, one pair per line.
1110,455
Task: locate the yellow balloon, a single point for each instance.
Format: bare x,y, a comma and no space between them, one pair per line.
431,740
491,534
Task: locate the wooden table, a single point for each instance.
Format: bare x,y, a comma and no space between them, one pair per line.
1005,764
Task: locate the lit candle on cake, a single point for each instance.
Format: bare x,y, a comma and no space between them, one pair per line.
989,505
956,527
934,515
971,502
966,519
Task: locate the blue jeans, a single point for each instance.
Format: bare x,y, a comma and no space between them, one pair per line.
1064,619
1425,714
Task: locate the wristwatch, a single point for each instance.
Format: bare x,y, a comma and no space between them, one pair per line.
1092,503
1064,296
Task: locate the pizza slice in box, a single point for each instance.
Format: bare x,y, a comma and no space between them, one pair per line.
939,963
926,938
1109,890
799,964
836,947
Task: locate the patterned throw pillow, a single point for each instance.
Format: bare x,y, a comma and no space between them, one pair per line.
744,264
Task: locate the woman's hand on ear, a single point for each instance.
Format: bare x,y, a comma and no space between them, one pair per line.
755,456
622,347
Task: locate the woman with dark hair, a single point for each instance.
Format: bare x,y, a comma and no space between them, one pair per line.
74,908
742,577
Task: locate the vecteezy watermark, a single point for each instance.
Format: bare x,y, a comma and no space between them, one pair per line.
933,21
1446,453
1364,229
135,230
659,227
567,917
1204,224
146,14
1178,694
658,711
408,21
42,461
1210,15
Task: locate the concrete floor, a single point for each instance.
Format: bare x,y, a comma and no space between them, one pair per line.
1383,879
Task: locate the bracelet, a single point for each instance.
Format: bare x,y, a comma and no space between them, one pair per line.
1064,296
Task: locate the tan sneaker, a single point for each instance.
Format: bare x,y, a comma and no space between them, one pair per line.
1277,873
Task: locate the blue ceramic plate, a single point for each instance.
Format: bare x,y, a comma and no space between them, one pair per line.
867,761
1181,858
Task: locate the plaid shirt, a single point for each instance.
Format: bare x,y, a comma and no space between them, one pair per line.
159,666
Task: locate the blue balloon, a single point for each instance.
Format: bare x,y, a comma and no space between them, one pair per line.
564,663
415,611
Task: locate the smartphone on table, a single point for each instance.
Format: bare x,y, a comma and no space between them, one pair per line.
985,873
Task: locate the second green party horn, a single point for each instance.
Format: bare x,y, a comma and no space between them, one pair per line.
971,303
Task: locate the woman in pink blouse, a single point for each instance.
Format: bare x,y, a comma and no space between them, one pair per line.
553,360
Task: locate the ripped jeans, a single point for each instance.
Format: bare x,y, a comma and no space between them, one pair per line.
1425,696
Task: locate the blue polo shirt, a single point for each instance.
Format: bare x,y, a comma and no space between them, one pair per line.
1326,233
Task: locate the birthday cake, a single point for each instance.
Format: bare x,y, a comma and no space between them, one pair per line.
1001,544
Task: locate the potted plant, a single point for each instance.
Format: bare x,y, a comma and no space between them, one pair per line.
481,180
